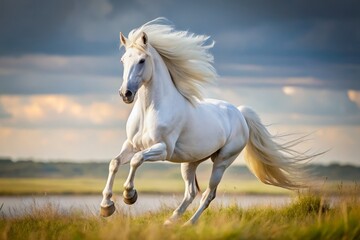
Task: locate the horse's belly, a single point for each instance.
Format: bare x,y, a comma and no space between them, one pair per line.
182,157
206,132
195,149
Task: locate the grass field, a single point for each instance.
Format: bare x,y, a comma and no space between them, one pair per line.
307,217
29,186
41,186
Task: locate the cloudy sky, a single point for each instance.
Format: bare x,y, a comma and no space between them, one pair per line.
297,63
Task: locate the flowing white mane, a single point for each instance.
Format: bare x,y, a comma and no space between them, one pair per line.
185,54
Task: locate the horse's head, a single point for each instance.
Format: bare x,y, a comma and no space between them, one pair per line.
137,66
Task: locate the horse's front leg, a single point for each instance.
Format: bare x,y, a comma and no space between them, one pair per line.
126,153
155,153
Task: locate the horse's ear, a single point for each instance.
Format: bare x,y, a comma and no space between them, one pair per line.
144,38
122,39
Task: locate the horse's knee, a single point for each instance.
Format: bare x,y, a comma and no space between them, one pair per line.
114,165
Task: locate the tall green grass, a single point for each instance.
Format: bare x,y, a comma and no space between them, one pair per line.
306,217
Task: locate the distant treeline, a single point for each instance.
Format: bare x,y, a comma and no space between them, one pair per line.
35,169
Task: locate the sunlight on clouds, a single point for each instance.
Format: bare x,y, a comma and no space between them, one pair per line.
103,144
18,109
58,109
101,112
5,133
354,96
93,126
57,103
289,90
61,144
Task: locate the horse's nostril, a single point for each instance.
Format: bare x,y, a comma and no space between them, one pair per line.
128,93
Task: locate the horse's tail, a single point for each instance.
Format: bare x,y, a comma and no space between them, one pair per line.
272,162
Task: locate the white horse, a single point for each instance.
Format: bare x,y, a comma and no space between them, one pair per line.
171,121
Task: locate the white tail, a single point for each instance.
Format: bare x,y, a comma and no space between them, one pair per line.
272,162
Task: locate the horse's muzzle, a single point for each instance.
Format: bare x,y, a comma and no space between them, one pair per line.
128,96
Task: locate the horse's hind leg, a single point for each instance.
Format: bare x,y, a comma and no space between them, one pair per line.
210,193
188,174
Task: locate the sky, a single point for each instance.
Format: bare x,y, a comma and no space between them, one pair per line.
297,63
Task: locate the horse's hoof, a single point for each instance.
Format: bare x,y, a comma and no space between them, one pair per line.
132,200
168,223
107,211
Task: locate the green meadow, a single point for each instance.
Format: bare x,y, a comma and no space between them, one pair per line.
306,217
37,178
81,186
41,186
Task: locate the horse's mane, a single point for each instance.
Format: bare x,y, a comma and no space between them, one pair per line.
185,54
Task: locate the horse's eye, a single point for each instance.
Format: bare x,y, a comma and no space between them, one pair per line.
142,61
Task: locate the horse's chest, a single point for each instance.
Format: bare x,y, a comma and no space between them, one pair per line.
142,140
144,136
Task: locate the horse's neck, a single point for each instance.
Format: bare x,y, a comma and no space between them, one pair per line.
160,88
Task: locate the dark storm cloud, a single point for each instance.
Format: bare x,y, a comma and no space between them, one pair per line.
54,26
319,39
32,26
